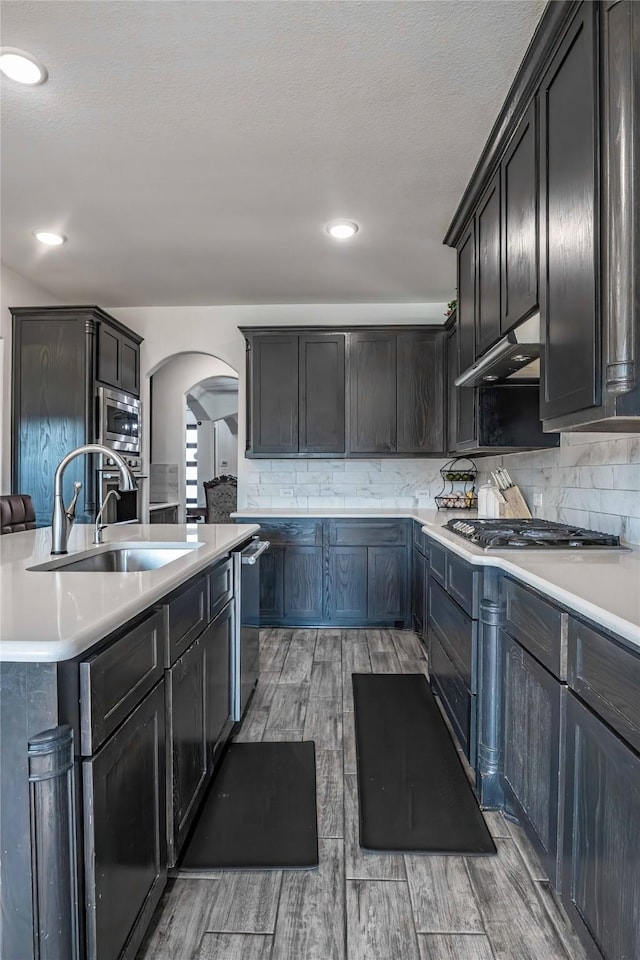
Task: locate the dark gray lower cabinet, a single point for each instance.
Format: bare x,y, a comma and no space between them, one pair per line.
531,747
125,831
187,690
217,646
347,583
386,584
601,861
302,584
419,592
351,572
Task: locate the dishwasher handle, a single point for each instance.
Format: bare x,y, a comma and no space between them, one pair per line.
257,548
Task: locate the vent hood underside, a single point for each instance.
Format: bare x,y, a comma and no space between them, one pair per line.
515,357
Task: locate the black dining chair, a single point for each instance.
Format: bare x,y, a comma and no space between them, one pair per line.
221,499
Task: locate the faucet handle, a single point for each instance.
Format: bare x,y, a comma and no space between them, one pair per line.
71,510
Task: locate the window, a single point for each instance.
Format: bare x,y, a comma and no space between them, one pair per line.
191,458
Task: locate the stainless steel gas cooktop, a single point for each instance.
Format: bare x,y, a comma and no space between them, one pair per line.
527,534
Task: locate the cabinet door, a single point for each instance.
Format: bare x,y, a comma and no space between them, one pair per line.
600,875
188,739
273,400
302,584
347,586
373,393
125,829
129,366
452,390
421,399
108,355
272,584
418,598
216,641
532,746
569,204
466,398
322,393
487,328
520,224
52,406
387,583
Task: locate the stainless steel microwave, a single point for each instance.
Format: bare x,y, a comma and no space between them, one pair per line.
119,420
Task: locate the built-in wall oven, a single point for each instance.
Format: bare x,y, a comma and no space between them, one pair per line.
119,420
119,427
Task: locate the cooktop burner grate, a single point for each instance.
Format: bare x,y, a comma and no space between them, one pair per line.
527,534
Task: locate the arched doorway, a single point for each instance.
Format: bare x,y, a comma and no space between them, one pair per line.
180,384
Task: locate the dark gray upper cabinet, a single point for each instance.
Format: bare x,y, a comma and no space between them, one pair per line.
519,243
373,393
466,298
487,320
565,148
296,393
301,383
321,400
569,223
452,390
62,349
273,394
118,359
420,392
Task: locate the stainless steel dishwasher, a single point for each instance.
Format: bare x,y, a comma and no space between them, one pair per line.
246,631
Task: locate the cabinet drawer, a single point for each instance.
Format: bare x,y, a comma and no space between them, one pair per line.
298,532
420,539
453,692
370,533
606,676
455,630
463,584
538,625
187,615
438,562
220,587
115,680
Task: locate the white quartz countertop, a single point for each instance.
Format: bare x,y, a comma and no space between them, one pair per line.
603,585
47,616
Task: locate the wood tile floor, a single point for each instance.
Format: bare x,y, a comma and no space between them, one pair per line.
356,906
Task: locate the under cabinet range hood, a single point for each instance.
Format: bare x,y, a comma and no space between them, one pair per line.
516,357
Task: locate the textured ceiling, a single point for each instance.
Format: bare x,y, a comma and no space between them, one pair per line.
193,151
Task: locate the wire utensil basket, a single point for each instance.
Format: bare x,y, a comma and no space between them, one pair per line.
459,475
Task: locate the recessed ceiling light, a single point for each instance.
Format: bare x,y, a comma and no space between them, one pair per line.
22,66
521,358
490,377
342,229
51,239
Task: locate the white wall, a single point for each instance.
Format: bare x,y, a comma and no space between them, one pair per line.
226,450
170,386
215,330
15,291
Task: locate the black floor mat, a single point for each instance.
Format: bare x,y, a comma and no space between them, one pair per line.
260,811
413,792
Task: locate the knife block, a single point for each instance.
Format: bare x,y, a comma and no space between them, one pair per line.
514,506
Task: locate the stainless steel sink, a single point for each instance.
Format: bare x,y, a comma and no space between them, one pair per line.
119,558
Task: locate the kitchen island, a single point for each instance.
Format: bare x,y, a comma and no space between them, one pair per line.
114,708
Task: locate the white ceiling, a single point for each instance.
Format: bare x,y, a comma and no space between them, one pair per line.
193,150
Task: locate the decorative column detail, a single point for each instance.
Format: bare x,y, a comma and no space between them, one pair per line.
492,616
53,845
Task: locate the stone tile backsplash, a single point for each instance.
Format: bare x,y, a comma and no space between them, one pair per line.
341,483
592,480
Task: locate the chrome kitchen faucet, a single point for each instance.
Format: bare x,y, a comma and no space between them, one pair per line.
63,518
